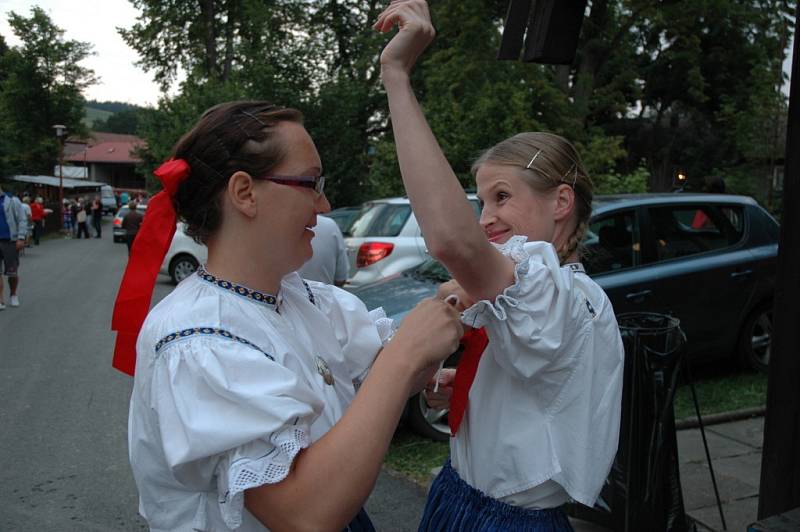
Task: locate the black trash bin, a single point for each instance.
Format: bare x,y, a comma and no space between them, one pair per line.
643,490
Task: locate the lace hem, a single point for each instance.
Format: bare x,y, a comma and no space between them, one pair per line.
479,314
247,473
386,326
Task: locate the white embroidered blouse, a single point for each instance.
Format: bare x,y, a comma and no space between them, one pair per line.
542,423
230,384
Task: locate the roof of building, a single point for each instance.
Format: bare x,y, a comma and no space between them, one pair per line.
54,181
109,152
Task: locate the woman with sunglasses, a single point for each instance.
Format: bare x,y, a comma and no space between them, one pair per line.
260,401
535,401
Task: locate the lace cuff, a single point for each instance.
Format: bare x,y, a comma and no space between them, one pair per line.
386,326
479,314
244,472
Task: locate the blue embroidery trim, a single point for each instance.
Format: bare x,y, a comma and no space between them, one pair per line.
239,290
209,331
310,293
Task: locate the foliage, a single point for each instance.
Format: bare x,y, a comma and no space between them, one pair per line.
125,122
655,86
40,86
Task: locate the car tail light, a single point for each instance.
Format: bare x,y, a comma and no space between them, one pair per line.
372,252
117,222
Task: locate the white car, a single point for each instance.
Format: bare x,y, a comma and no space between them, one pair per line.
183,257
386,240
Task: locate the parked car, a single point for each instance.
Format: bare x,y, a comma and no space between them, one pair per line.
183,257
117,230
385,240
344,218
707,259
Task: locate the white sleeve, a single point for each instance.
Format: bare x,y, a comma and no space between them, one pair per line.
360,333
529,323
226,409
342,263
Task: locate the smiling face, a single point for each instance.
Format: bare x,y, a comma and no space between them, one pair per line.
291,211
511,207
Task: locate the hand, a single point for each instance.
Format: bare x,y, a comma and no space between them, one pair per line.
429,333
440,399
415,34
451,288
20,245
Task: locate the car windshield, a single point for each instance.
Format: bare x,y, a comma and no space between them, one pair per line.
431,270
381,219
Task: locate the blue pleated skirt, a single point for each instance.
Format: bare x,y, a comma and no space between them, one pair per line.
455,506
361,523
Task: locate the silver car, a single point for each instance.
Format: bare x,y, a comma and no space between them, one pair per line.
386,240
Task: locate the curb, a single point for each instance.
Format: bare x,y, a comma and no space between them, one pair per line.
722,417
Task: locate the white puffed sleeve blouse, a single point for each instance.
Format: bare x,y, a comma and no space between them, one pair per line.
231,384
544,410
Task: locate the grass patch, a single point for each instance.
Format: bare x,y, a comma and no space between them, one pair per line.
414,456
722,394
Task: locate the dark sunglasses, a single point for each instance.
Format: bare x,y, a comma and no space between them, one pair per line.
307,181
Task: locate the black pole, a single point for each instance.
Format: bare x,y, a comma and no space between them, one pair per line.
780,461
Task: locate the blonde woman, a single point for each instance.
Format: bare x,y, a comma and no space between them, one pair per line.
535,403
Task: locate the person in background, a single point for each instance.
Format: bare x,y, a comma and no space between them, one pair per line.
97,216
82,218
37,216
131,223
13,231
26,206
328,263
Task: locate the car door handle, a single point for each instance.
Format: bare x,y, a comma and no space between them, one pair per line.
742,274
638,295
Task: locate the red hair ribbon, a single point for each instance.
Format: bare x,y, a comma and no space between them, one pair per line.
147,253
474,342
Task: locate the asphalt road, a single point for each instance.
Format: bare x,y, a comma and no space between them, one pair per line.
63,409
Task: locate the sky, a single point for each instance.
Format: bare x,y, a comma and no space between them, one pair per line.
95,22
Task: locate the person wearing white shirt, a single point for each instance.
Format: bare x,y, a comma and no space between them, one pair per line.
535,402
328,263
260,401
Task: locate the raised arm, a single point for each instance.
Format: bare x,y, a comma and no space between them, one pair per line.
447,220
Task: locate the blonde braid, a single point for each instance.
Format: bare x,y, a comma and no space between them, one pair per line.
573,241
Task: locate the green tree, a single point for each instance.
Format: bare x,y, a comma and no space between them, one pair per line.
41,86
125,122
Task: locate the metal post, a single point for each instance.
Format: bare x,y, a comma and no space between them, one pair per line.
60,134
780,463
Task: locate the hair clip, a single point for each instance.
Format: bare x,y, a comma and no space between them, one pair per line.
574,177
254,117
528,167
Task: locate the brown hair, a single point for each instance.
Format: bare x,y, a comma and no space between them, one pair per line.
547,161
229,137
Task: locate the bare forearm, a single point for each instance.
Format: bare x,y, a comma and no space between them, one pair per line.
333,477
440,206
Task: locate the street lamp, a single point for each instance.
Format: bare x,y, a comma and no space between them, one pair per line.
61,132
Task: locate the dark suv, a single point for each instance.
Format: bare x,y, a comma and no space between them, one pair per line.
708,259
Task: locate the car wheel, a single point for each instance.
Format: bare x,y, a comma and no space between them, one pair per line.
755,341
426,421
182,267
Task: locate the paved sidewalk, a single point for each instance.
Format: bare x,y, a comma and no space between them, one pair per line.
735,450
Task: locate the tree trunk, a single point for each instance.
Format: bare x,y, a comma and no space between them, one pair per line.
210,34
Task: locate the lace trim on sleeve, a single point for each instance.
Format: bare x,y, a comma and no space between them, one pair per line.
478,314
246,473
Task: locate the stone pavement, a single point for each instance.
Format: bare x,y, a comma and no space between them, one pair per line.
735,450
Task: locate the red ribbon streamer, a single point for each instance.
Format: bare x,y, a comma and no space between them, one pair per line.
147,253
474,342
